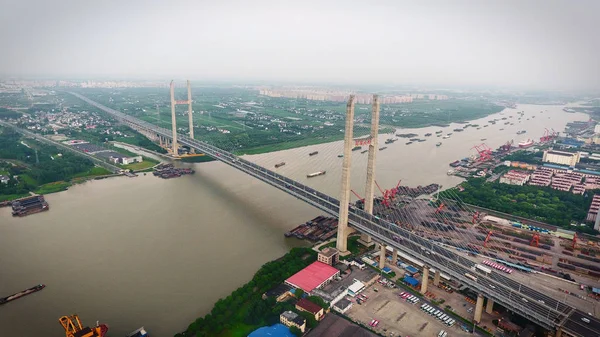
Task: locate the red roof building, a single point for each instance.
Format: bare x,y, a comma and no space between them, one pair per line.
305,305
314,276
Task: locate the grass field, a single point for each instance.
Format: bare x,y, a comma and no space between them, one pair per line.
53,187
94,171
12,196
28,179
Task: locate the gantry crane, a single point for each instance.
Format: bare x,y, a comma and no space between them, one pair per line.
73,328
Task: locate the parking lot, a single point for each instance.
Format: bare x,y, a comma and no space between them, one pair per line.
397,317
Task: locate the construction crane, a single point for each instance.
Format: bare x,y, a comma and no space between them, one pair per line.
487,239
485,153
535,240
73,327
475,217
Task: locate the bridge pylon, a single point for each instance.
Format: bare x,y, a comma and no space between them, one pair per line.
187,102
343,230
366,239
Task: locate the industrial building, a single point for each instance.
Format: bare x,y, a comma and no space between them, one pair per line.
355,288
514,177
305,305
328,256
561,157
593,211
290,318
342,306
281,292
124,160
332,296
316,275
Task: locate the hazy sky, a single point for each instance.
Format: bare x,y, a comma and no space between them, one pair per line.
543,43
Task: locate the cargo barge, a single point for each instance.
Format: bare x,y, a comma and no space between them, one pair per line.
313,153
356,148
22,293
29,205
406,135
167,171
364,151
318,229
316,174
382,148
390,140
280,164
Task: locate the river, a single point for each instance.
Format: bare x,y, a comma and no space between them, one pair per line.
158,253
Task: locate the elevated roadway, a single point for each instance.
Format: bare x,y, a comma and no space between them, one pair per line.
526,301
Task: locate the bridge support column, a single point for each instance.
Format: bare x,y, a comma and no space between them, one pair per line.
489,306
370,185
343,230
174,120
394,257
558,332
382,255
436,278
189,90
425,280
478,308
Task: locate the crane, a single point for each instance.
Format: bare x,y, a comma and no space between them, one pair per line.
73,328
487,239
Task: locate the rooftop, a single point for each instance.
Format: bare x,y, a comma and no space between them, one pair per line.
312,276
308,306
329,252
278,291
335,326
342,304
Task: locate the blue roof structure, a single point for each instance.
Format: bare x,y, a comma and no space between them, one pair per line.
411,269
387,270
411,280
596,290
277,330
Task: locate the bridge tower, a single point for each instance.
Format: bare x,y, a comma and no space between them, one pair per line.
343,230
366,239
174,119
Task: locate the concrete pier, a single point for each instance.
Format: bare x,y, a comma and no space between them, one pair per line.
478,308
436,278
425,280
489,306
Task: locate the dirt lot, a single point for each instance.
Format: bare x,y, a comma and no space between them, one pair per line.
397,317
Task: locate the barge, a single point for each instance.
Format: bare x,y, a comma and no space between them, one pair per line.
25,292
280,164
313,153
316,174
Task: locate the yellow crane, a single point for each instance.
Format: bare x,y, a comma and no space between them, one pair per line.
73,327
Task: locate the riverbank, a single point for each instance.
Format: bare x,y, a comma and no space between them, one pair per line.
244,310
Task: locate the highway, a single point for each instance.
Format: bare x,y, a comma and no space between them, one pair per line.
520,298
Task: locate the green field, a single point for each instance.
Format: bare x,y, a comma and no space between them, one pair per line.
94,171
53,187
5,197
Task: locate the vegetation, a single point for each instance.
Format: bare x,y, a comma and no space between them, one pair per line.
46,174
6,113
295,331
140,166
244,310
526,157
538,203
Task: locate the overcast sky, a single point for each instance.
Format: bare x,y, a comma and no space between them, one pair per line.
541,44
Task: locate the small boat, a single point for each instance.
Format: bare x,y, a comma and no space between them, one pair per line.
485,126
364,151
340,155
445,137
501,129
280,164
408,143
414,139
356,148
449,133
316,174
313,153
520,132
382,148
390,140
141,332
438,132
438,144
482,139
427,134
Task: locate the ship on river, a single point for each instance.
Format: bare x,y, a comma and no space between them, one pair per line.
280,164
22,293
313,153
316,174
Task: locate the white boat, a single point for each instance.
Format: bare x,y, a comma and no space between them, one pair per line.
316,174
526,143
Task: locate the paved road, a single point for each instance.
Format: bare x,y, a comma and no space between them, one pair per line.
522,299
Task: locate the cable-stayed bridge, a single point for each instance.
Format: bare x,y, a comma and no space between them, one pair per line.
528,302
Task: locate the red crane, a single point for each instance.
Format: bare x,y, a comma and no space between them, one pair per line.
475,217
440,207
535,240
487,238
506,147
574,240
484,152
358,196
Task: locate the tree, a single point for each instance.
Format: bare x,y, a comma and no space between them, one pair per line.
295,331
299,292
319,301
311,322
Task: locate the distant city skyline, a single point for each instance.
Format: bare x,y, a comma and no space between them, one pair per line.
519,44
